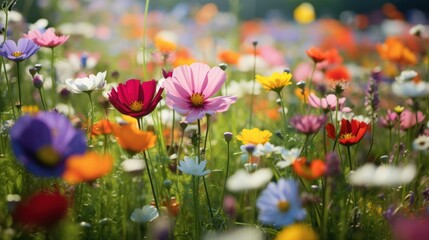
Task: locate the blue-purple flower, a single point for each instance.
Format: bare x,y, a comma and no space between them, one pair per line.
279,204
44,142
18,52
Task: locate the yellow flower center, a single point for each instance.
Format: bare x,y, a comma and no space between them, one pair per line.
283,206
197,99
48,156
136,106
347,136
17,54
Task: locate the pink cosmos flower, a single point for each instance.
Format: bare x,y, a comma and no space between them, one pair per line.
327,103
408,119
308,124
46,39
388,121
190,89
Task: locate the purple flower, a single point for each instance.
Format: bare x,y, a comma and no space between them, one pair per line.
308,124
279,204
42,143
17,53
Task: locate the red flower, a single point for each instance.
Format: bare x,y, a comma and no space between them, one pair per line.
309,170
43,209
134,98
350,132
316,54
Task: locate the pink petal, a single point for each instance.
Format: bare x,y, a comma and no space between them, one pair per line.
216,77
199,77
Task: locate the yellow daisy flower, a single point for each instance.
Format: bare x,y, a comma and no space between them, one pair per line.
254,136
297,231
275,82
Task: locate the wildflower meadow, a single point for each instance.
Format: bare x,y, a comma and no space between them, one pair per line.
126,119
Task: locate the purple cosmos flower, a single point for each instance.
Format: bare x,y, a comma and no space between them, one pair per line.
42,143
279,204
190,88
17,53
308,124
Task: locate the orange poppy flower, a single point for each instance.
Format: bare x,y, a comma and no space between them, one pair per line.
164,46
101,127
229,57
309,170
132,139
87,167
316,54
338,78
395,51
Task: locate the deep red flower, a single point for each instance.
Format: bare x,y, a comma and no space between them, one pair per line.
309,170
350,132
41,210
134,98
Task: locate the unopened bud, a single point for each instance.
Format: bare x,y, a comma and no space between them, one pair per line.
223,66
227,136
38,81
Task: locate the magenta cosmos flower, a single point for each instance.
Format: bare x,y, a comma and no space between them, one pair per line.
46,39
190,89
308,124
18,52
134,98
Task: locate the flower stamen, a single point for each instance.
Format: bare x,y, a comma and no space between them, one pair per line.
283,205
17,54
136,106
197,99
48,156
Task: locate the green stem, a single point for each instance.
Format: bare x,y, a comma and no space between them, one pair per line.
349,156
91,116
326,202
172,133
283,115
9,88
226,175
19,89
146,11
253,87
196,213
150,180
42,99
204,178
54,81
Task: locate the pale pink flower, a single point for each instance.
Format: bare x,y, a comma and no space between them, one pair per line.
408,119
46,39
189,89
327,103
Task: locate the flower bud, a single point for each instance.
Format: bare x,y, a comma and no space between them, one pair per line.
227,136
37,81
223,66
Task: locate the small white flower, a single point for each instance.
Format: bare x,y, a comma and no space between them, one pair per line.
87,84
406,75
288,157
191,166
242,180
384,175
410,89
417,30
65,109
264,150
133,165
421,143
143,215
